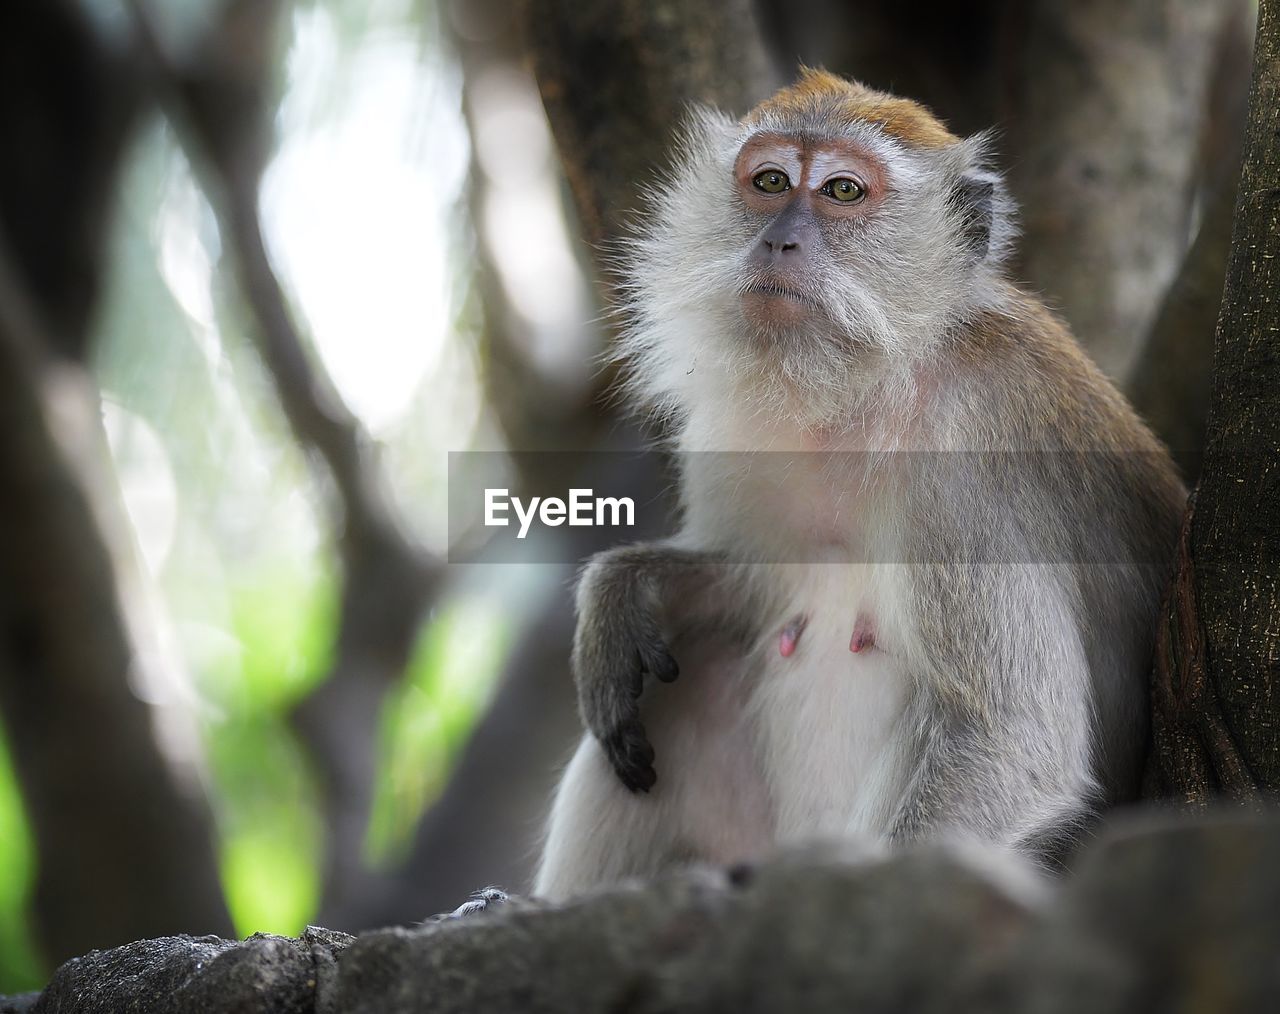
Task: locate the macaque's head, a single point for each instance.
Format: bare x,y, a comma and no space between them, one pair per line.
831,229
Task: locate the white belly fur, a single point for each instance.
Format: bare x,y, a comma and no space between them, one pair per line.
828,720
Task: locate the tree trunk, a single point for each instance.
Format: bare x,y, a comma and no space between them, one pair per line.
125,844
1170,382
67,102
616,78
1104,116
1216,681
123,834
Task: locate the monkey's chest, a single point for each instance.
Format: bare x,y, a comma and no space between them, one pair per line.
828,698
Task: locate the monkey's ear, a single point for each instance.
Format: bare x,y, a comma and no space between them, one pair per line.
984,213
975,199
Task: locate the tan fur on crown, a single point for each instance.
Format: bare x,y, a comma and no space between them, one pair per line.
821,94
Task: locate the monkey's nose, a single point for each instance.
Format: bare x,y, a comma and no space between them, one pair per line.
780,244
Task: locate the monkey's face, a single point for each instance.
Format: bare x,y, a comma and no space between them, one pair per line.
849,242
804,200
808,246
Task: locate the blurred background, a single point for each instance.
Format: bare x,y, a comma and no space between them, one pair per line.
265,264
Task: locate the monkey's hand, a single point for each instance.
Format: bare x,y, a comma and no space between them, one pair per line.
618,643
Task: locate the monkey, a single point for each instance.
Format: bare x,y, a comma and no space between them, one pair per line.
923,538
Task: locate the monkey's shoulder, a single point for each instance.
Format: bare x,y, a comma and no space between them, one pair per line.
1039,388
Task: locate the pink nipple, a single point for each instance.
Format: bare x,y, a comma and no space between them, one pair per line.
791,636
863,638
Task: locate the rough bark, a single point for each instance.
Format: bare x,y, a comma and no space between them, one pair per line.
1217,678
220,97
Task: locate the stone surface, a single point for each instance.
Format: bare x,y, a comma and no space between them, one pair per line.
1155,917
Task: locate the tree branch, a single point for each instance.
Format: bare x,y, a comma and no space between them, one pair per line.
219,94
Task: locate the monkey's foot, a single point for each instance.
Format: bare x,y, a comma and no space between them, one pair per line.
486,897
791,635
631,755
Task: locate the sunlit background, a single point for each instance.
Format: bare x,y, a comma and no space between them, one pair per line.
374,207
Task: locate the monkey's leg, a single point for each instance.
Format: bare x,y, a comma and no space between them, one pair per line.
1005,716
973,784
599,831
712,805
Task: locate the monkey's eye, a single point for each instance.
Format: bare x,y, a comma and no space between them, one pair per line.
845,190
771,181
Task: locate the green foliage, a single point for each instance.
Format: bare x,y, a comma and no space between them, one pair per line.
267,801
284,620
20,968
269,824
426,719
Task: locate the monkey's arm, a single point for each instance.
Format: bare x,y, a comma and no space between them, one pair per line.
624,599
1002,711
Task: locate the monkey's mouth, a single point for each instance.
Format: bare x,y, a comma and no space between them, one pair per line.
774,290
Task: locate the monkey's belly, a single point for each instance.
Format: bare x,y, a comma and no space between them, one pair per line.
800,739
828,703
